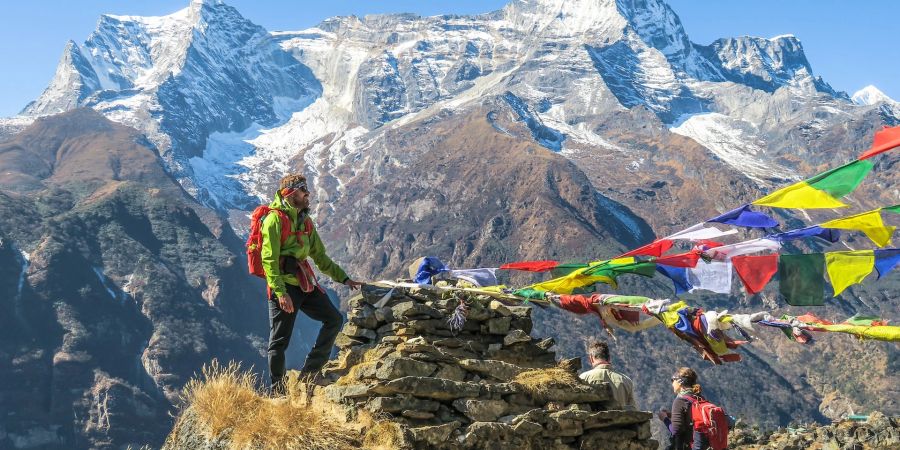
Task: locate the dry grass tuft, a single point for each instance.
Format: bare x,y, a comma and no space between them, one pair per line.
227,401
538,382
384,436
222,396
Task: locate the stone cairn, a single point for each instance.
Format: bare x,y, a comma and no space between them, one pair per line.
452,387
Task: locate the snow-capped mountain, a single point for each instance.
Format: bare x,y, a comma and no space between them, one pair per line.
231,106
181,78
871,95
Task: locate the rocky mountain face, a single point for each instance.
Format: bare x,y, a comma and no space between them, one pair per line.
549,129
114,283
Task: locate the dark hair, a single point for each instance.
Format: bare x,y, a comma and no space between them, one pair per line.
598,350
688,379
290,180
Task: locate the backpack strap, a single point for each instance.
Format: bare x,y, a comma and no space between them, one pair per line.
285,224
307,228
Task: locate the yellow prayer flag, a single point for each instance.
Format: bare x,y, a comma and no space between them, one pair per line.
869,223
801,196
576,279
882,333
669,317
848,268
621,261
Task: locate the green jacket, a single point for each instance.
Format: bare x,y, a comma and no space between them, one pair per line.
310,246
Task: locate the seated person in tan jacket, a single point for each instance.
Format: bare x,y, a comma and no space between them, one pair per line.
621,386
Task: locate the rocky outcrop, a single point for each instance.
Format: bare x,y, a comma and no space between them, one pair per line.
416,379
875,432
481,382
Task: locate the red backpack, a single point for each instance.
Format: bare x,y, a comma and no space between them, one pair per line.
255,242
710,420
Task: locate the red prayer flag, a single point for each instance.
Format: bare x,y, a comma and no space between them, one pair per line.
531,266
755,271
689,259
706,244
886,139
579,304
655,248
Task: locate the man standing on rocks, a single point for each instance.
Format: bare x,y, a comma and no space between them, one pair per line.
601,372
292,283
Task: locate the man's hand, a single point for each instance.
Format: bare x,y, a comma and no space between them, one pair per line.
286,304
353,285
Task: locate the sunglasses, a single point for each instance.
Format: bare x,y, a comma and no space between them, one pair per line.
298,186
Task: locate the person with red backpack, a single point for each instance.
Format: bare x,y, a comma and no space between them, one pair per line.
282,236
694,423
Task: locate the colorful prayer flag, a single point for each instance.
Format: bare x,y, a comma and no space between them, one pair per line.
700,232
575,280
678,275
479,277
885,139
688,259
655,248
743,248
827,234
713,276
882,333
802,279
868,222
866,321
745,217
429,267
820,191
530,266
755,271
565,269
621,266
885,260
848,268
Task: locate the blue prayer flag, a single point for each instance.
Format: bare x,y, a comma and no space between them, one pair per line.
430,267
745,217
885,260
829,234
678,275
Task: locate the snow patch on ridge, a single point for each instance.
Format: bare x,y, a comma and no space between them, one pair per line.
25,261
105,282
736,142
232,171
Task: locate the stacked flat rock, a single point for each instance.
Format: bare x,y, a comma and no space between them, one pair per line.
454,388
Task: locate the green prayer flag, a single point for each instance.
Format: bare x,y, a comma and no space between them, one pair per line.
528,293
863,320
842,180
894,209
802,279
645,268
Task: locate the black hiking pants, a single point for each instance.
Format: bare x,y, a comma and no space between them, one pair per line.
317,306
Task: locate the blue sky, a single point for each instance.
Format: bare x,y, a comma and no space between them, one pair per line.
850,44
